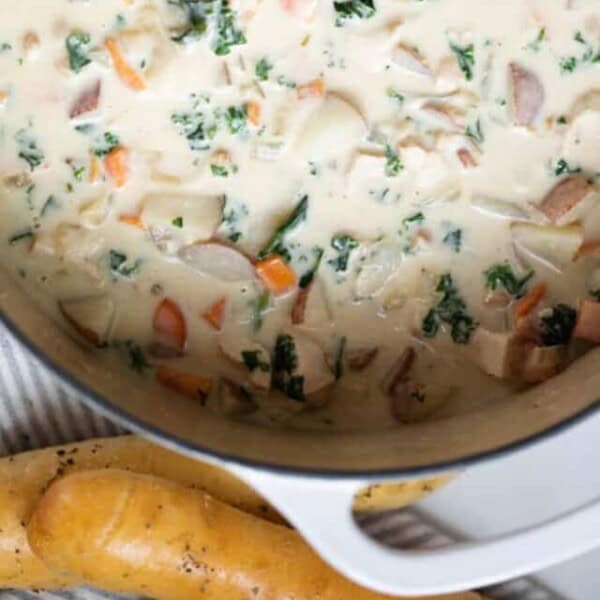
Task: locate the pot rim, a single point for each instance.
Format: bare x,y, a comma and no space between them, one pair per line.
121,417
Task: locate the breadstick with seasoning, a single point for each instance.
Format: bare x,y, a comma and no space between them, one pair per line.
138,534
24,477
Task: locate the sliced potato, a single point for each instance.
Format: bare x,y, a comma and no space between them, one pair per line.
335,128
176,220
407,59
550,245
382,262
218,261
91,316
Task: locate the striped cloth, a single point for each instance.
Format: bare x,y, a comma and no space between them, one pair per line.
36,411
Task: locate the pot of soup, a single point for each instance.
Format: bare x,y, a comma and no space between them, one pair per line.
322,243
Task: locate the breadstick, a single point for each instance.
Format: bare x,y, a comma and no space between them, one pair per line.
138,534
23,479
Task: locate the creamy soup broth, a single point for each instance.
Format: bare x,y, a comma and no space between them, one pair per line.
354,214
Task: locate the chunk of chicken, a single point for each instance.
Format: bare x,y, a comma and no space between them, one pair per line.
527,95
496,353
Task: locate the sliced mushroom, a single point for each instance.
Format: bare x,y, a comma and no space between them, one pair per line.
249,353
91,316
550,245
335,128
218,261
587,326
235,400
87,101
178,220
527,95
564,197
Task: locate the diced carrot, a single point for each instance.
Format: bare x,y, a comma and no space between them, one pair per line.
312,89
589,249
169,324
276,275
127,74
530,301
195,387
94,169
253,110
215,314
116,165
587,326
132,220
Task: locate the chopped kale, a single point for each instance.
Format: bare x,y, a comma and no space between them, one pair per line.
417,218
252,360
259,307
344,244
106,144
137,358
228,34
118,264
502,275
177,222
78,48
263,66
454,239
29,151
276,245
235,116
557,325
348,10
309,276
564,168
393,164
19,237
475,132
450,309
465,55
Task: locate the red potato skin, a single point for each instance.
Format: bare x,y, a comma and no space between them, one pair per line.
587,326
563,197
87,101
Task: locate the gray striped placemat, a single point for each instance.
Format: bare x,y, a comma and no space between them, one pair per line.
36,410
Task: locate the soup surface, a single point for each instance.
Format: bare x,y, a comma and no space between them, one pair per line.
339,214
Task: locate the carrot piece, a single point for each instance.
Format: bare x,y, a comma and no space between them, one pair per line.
276,275
215,314
312,89
94,169
169,324
195,387
132,220
253,110
589,249
127,74
116,165
530,301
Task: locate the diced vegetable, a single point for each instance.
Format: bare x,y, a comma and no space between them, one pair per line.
378,267
336,127
169,324
550,245
311,308
527,94
91,316
115,163
132,221
526,304
185,384
300,366
87,101
215,314
276,243
277,276
218,261
249,354
253,112
410,60
496,353
312,89
127,74
234,400
541,363
360,359
565,196
587,326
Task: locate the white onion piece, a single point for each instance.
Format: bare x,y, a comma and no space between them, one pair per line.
383,261
498,209
91,316
218,261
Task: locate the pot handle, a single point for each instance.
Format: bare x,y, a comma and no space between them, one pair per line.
322,511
